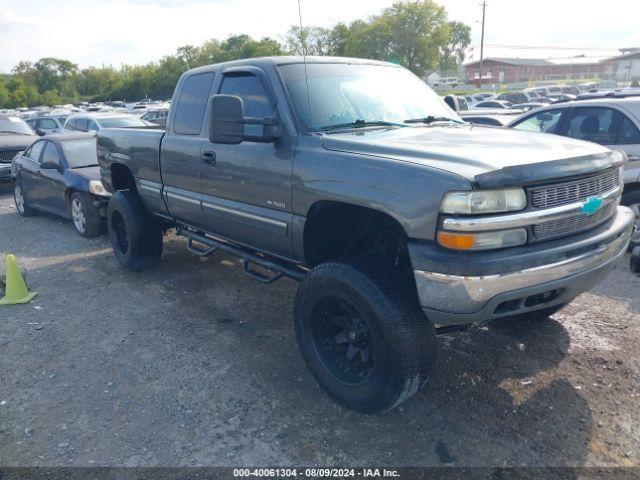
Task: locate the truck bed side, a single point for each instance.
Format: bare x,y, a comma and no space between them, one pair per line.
132,155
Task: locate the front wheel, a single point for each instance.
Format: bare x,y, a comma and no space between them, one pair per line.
86,218
632,200
136,237
363,335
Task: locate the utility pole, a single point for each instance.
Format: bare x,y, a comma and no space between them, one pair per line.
484,6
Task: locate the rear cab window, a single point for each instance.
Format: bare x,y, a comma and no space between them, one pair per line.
192,104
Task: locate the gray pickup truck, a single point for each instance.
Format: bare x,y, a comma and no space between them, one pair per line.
355,178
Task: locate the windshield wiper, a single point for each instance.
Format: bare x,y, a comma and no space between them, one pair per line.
87,166
362,123
432,118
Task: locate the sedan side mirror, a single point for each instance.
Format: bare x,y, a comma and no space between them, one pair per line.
40,132
227,122
49,165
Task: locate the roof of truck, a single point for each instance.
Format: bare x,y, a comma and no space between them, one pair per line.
291,59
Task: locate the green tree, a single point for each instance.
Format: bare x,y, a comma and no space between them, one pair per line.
309,41
452,53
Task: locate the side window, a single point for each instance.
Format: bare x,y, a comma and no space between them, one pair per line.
546,122
51,153
628,133
32,124
34,151
252,91
91,125
82,124
70,124
192,104
47,124
593,124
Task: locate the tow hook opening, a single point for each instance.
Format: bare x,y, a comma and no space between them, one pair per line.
513,306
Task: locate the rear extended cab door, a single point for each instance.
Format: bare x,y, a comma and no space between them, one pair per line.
181,146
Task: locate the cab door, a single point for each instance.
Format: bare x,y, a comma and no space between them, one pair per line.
246,188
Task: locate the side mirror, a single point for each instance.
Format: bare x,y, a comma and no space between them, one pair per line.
40,132
227,122
49,165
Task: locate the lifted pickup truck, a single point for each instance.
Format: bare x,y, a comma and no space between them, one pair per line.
398,218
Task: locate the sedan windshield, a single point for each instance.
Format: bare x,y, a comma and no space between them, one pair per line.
80,153
119,122
344,95
10,125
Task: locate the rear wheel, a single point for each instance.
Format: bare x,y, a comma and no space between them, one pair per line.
634,262
136,237
632,200
21,202
86,218
363,335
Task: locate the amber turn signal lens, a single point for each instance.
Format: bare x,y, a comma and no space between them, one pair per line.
456,240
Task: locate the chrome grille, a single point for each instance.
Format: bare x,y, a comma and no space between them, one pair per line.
564,193
7,155
572,225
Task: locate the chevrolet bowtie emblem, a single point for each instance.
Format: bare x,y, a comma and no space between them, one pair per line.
591,205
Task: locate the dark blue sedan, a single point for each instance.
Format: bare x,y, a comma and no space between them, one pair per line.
59,174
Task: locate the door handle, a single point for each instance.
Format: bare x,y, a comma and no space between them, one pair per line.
209,158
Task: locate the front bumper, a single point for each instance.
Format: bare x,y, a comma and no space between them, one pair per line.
460,288
5,172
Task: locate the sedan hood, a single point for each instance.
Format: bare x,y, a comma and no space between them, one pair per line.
487,156
16,142
90,173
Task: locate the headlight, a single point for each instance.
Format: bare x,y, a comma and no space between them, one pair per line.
484,201
96,187
484,240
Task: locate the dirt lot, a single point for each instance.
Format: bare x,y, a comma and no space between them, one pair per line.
192,363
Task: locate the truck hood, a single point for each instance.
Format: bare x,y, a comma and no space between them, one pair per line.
15,142
486,156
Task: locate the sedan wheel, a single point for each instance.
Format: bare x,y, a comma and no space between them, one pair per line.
79,218
19,198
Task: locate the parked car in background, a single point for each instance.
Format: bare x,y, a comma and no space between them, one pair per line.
86,122
494,120
15,136
525,107
614,122
495,104
156,116
517,97
570,90
59,174
46,125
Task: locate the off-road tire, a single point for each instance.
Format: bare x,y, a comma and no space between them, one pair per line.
403,340
634,261
136,237
92,219
26,210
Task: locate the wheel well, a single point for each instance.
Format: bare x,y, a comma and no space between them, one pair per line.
335,230
631,187
122,178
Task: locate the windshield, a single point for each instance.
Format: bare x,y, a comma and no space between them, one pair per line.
80,153
341,94
14,125
117,122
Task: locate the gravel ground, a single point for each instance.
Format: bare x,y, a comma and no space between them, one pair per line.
192,363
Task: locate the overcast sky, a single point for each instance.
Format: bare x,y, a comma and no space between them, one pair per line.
103,32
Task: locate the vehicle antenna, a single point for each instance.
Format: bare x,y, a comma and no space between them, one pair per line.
304,60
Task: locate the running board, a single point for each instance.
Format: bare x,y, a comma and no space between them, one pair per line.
278,269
